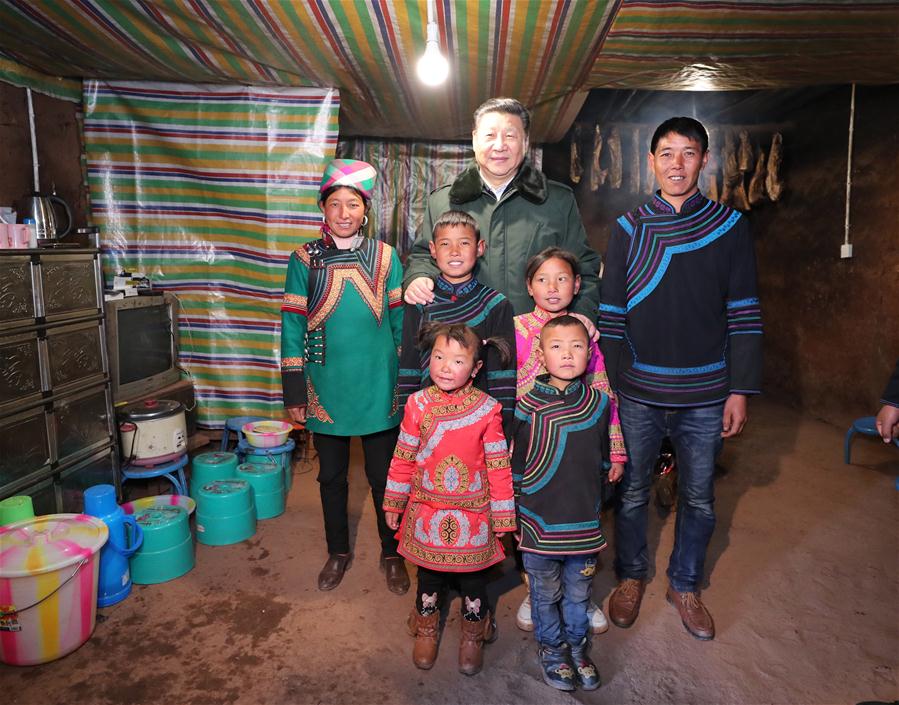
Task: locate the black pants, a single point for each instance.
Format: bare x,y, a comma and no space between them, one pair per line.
334,462
433,586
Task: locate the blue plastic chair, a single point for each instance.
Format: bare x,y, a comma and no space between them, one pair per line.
167,470
866,425
236,423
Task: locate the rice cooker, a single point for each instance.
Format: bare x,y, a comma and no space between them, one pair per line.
152,431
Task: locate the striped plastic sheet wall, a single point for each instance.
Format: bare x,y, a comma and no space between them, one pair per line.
207,189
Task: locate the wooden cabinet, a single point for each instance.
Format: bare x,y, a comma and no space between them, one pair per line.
57,425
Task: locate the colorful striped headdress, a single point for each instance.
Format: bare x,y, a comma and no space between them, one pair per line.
349,172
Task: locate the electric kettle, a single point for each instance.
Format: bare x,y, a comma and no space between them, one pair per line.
46,223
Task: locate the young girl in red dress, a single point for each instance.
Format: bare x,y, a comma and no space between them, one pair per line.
449,492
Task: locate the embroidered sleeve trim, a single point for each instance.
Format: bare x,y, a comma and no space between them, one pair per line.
292,363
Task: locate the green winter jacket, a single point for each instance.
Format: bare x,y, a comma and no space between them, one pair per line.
534,213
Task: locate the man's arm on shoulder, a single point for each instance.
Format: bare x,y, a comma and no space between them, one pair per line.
419,262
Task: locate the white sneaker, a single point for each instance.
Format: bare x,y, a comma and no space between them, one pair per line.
523,617
598,622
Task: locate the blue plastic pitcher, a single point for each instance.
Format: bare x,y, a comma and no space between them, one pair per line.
115,576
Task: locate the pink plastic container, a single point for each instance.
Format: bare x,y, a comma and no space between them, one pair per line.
49,568
266,434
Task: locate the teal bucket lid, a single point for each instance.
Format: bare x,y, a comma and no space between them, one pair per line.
264,477
216,458
224,487
156,518
224,498
162,527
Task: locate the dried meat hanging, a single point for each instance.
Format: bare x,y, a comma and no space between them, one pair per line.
597,175
773,185
616,164
757,183
744,158
634,170
575,170
730,172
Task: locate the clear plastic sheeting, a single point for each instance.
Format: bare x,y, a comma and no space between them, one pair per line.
407,173
207,189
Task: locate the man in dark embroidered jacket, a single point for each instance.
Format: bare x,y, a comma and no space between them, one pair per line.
680,329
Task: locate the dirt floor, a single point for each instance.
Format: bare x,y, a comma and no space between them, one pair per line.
803,587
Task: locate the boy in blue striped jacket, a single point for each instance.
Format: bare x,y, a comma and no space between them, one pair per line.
561,443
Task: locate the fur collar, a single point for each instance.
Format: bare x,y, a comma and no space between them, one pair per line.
529,182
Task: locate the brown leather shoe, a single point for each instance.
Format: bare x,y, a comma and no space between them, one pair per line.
624,604
471,645
425,629
333,570
397,576
693,613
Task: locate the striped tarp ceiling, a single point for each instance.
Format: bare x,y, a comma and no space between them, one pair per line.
537,50
742,44
545,52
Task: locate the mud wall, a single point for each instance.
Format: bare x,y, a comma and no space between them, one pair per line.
59,149
831,324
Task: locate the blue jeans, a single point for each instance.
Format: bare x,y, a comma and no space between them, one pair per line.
560,588
696,435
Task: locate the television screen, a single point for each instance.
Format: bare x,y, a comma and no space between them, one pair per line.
145,342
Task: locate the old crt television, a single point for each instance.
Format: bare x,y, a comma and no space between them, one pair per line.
142,339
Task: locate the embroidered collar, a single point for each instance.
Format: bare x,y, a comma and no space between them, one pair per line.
458,397
542,315
529,182
694,203
541,384
455,290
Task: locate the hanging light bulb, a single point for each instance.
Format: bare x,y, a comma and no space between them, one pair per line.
432,67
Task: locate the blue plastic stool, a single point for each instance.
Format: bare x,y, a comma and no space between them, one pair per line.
236,423
866,425
167,470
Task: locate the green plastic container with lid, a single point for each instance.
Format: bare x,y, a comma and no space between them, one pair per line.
226,512
207,467
267,481
167,551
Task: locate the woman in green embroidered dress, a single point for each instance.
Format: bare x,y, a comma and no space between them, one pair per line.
341,325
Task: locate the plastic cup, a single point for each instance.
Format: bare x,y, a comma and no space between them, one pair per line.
16,509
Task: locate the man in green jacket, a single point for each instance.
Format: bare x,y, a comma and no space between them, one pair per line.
519,211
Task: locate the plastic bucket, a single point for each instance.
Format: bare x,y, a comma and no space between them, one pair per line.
267,481
168,549
207,467
282,454
49,567
226,513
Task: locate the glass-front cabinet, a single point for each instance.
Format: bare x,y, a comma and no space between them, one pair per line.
57,425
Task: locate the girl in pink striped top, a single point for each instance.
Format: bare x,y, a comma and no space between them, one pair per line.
552,281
